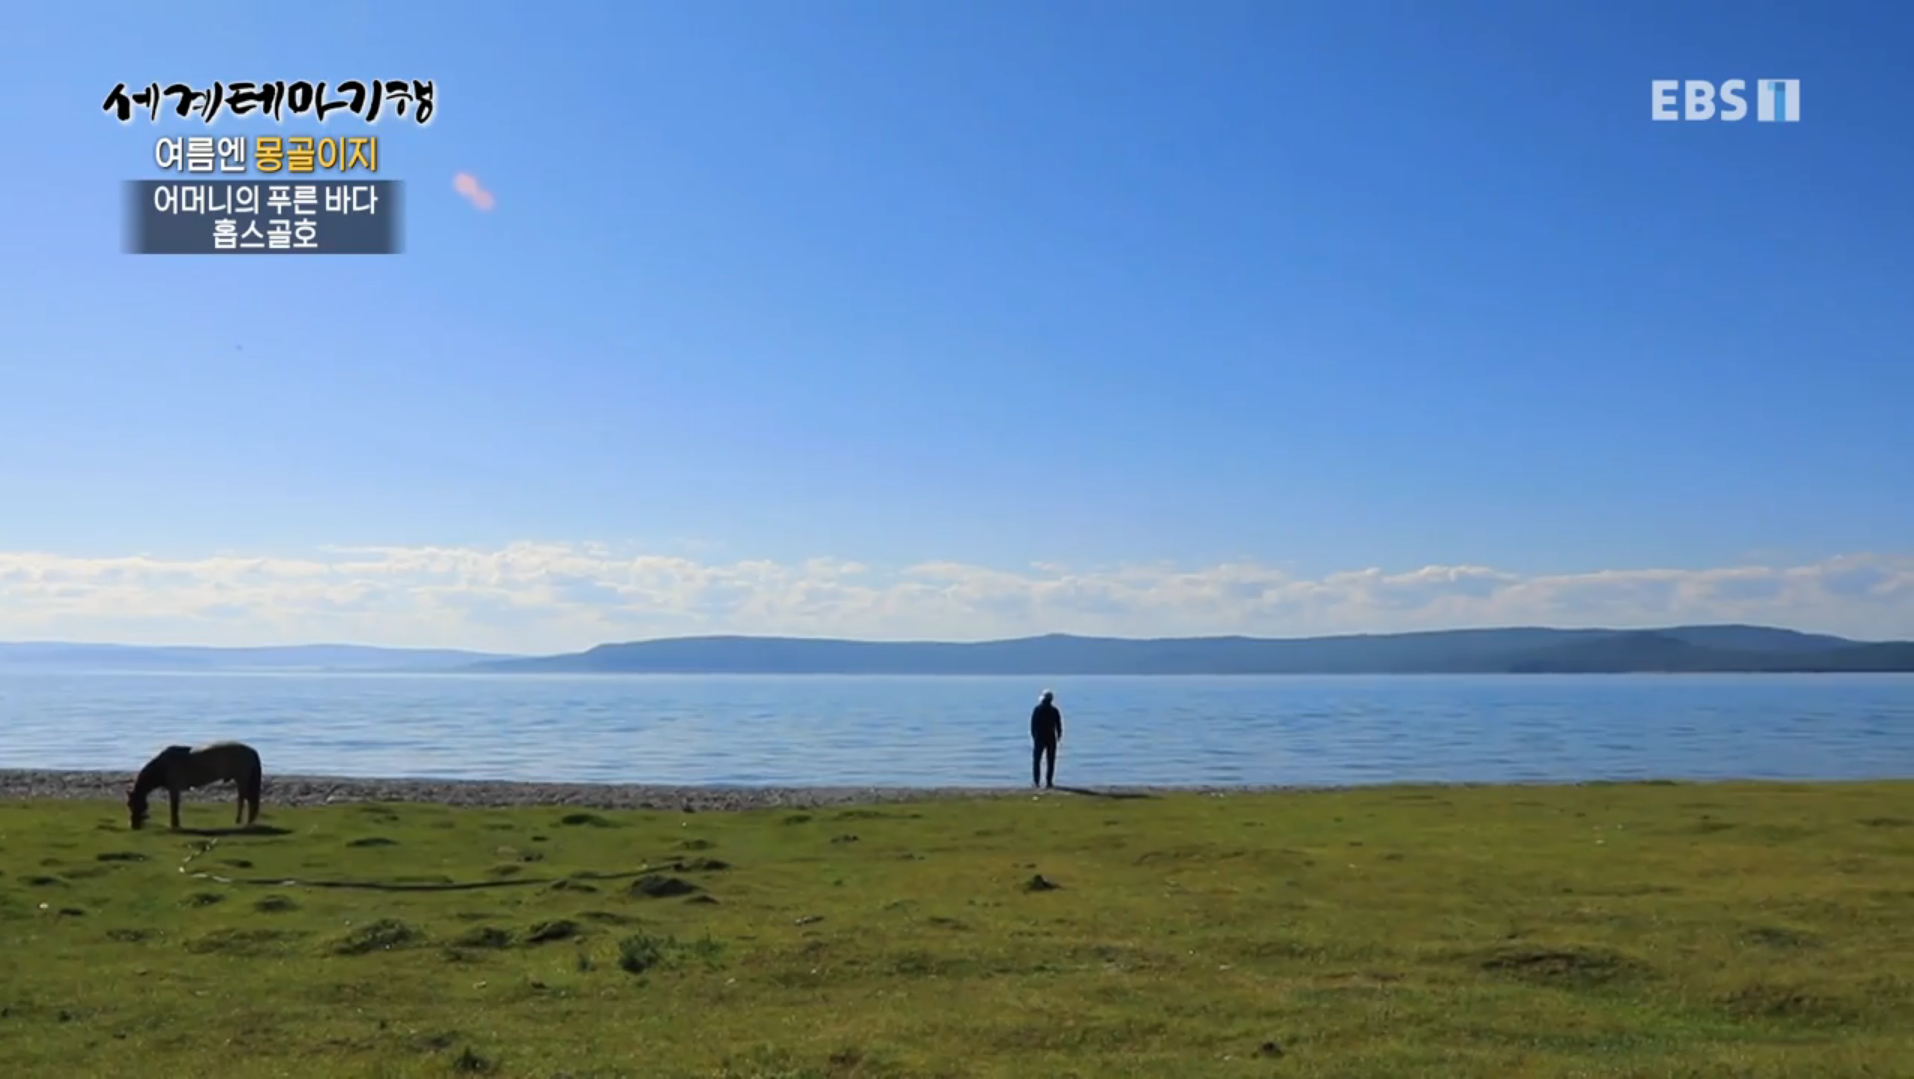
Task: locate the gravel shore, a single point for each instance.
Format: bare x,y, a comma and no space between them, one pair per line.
26,784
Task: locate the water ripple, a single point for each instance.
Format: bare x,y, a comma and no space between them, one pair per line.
971,731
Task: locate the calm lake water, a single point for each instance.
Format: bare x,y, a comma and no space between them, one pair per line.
822,730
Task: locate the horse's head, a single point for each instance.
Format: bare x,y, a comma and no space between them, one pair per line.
136,805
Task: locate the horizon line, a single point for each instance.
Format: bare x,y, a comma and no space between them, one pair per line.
957,642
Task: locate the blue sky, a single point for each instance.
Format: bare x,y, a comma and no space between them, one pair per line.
1038,290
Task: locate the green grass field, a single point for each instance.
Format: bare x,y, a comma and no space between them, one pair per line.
1626,930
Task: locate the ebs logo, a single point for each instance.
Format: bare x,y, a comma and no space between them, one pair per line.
1776,100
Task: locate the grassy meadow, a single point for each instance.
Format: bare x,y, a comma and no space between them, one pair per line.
1607,930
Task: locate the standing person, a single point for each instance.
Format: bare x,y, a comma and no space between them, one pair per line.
1046,730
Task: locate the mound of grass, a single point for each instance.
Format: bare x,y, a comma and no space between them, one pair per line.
660,886
486,936
557,929
381,935
1627,930
642,952
239,943
1561,965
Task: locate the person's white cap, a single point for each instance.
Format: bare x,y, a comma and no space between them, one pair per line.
1046,695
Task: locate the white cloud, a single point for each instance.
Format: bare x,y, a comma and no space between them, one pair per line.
548,597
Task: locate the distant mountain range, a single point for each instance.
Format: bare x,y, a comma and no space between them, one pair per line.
1727,648
306,657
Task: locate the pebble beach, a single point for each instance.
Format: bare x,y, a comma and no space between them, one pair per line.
27,784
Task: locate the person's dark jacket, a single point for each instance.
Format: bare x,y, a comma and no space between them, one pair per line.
1046,723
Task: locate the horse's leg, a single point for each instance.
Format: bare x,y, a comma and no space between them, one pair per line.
239,804
173,795
255,787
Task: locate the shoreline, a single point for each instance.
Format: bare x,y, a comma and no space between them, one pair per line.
43,784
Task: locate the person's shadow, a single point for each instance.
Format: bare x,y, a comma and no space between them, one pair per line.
245,829
1088,793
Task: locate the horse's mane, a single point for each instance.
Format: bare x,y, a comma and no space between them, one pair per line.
149,777
154,773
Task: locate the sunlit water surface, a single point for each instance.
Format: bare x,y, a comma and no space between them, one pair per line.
822,730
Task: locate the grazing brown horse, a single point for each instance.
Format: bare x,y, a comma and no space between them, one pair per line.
179,768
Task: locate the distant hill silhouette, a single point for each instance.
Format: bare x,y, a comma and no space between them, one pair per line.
1726,648
1521,650
1667,651
310,657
